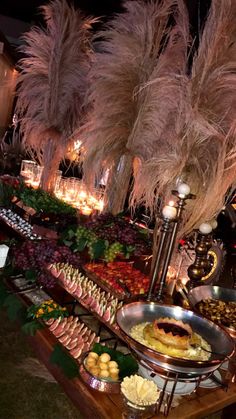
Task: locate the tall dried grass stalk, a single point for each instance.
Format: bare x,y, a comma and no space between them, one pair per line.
53,82
118,185
127,54
201,148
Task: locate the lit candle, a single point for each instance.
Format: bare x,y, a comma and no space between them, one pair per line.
99,205
213,223
169,211
183,190
205,228
184,280
82,195
25,173
85,210
35,184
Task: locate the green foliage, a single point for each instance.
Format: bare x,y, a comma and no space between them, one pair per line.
3,294
43,201
6,193
30,328
31,275
98,248
68,365
127,364
15,309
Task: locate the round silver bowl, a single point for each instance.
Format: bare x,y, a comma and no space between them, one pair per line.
139,312
218,293
100,384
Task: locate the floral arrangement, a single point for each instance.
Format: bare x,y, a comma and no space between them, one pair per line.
49,309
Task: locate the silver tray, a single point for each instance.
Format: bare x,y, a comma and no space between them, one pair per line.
138,312
218,293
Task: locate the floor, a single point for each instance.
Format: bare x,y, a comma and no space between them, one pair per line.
23,394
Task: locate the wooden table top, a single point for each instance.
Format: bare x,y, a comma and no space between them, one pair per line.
110,406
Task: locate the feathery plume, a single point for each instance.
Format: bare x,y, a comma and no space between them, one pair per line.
203,147
128,52
53,82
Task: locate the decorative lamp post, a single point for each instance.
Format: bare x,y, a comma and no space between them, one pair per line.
170,214
198,269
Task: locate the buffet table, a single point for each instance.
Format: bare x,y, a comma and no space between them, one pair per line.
92,403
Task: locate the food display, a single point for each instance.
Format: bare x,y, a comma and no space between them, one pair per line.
102,366
172,337
121,276
86,291
73,334
18,224
109,237
140,391
220,312
36,255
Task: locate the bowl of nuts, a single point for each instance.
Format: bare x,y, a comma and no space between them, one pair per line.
218,304
103,371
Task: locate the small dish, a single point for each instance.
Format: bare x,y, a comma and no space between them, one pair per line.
97,383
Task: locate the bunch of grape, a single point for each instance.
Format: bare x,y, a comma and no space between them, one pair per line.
113,251
38,254
83,233
46,279
115,228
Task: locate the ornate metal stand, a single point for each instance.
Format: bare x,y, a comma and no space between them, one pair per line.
200,266
161,246
166,246
171,379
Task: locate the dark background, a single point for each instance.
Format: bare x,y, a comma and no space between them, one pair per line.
27,10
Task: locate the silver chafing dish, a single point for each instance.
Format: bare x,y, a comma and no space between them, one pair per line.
138,312
217,293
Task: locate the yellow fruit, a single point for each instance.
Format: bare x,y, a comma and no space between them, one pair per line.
90,362
104,374
93,355
112,364
114,371
104,358
103,366
95,371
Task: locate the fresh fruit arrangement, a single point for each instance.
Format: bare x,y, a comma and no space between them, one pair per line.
113,359
86,291
108,237
121,276
73,334
102,366
36,255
